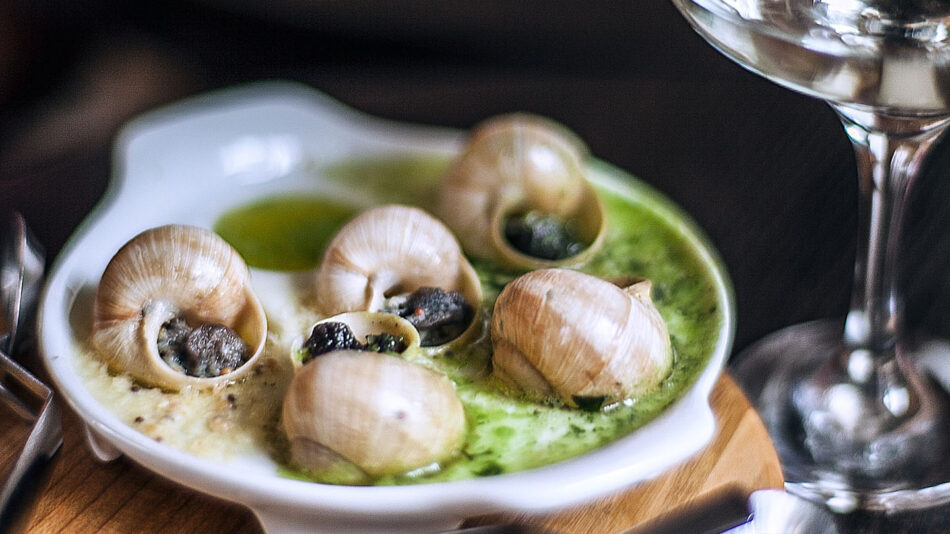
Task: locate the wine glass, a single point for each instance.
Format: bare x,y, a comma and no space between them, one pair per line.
854,414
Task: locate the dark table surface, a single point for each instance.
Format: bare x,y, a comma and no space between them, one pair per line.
767,173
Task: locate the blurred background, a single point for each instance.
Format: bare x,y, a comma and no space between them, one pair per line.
767,173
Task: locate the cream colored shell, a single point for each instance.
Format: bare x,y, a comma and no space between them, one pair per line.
514,164
390,250
352,416
168,270
565,334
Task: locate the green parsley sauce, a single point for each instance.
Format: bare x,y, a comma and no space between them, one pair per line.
507,433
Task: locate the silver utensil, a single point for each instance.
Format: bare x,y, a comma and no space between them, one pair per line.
504,528
730,512
780,512
21,271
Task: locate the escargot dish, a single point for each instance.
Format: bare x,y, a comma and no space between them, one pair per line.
175,308
572,336
352,417
401,260
391,315
517,194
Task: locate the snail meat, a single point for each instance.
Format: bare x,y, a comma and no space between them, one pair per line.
328,337
384,342
331,336
543,236
437,314
358,331
209,350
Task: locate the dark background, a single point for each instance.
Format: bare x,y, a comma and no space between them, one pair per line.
767,173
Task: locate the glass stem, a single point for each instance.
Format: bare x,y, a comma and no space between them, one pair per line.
889,154
869,396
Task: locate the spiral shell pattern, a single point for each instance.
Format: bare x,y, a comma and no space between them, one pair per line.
565,334
164,272
519,163
367,415
390,250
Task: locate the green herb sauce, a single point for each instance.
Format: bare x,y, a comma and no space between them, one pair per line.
507,433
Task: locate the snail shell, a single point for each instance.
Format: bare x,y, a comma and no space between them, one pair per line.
565,334
390,250
159,274
354,416
364,324
514,164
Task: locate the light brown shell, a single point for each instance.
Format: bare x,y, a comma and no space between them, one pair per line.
514,164
355,416
164,271
390,250
565,334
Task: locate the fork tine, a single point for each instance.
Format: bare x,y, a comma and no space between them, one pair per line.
14,402
31,469
10,369
24,378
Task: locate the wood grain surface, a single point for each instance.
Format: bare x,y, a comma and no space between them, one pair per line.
87,496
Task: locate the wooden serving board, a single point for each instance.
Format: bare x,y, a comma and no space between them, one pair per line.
86,496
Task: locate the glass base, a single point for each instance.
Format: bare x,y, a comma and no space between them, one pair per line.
853,431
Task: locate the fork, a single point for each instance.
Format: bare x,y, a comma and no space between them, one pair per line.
21,271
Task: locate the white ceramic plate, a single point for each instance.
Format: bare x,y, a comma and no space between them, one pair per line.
230,147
